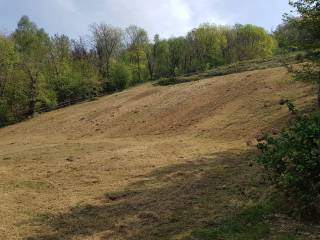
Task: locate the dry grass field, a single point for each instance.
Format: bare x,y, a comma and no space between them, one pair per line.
148,163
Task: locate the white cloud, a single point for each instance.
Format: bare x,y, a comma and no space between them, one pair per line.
180,9
67,5
166,17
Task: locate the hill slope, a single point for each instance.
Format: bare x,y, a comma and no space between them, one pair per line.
146,163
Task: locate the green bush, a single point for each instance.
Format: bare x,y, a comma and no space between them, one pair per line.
120,76
293,159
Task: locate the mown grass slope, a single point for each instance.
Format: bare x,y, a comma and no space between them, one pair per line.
151,162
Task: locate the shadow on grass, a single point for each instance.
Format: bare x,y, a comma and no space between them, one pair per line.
262,221
170,203
250,224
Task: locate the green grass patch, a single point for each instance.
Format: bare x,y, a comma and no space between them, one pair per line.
250,224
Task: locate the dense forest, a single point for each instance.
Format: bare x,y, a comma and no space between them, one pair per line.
38,70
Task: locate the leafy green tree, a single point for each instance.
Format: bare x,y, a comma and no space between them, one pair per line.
60,71
253,42
176,48
205,47
137,42
12,98
7,61
160,53
308,22
73,75
121,76
107,42
152,55
288,35
229,49
79,49
32,45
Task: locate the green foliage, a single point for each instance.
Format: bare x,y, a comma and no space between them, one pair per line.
32,45
204,47
308,22
308,26
237,67
289,35
4,112
253,42
12,94
121,77
248,225
70,78
38,71
107,42
293,159
175,55
137,44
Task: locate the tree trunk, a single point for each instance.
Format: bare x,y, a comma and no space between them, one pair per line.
150,67
3,83
2,86
32,94
139,68
319,94
108,67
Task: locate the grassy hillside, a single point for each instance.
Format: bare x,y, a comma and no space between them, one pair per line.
151,162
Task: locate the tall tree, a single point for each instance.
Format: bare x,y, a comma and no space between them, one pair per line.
7,61
289,35
253,42
107,42
137,41
309,22
153,51
159,57
79,49
11,91
176,48
32,44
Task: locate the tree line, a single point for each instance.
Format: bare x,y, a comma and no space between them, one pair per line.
38,70
302,33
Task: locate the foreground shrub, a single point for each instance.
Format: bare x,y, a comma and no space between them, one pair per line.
293,159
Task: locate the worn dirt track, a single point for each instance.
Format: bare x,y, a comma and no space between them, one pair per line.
147,163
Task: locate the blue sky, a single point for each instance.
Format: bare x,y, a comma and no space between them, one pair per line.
166,17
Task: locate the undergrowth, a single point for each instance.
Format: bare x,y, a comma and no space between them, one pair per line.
243,66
